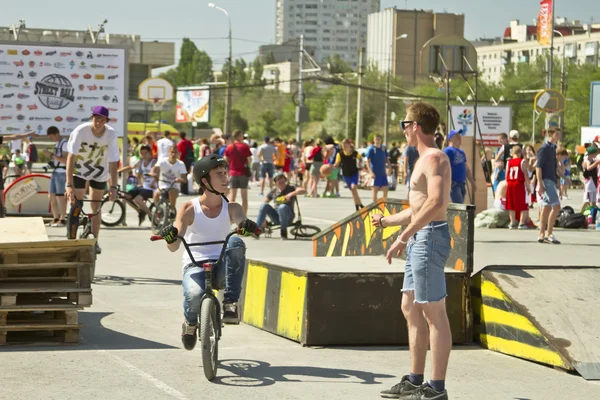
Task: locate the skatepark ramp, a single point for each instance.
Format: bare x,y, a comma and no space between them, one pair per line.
543,314
355,235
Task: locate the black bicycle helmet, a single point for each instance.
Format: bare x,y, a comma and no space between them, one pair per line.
202,170
278,175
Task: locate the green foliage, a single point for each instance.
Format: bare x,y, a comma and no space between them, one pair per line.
194,68
337,65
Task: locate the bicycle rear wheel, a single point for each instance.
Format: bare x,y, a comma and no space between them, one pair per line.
209,339
305,231
112,212
160,218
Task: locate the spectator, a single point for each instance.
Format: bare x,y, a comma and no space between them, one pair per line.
279,154
410,156
590,167
499,174
284,196
394,159
376,162
266,154
186,151
255,162
517,190
19,162
546,169
227,140
58,179
163,146
460,170
238,156
316,156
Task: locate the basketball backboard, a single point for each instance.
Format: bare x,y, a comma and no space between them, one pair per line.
457,53
550,101
155,90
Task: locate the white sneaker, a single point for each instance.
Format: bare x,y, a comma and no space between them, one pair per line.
97,248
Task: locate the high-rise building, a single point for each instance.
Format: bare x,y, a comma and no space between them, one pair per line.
396,37
329,26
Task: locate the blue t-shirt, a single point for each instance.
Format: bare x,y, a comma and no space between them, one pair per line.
377,157
458,162
222,150
413,155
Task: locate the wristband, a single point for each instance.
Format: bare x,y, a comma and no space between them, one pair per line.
69,185
381,222
401,241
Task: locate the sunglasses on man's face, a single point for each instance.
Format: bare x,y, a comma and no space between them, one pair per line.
405,124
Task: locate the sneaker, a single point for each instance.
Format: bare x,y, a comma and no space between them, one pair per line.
59,224
141,218
52,223
189,336
404,387
551,239
284,234
230,313
425,392
512,226
98,249
523,226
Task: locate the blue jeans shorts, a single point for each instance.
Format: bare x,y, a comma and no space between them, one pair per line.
58,181
550,197
266,169
426,256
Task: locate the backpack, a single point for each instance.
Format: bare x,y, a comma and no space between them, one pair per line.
33,154
563,214
573,221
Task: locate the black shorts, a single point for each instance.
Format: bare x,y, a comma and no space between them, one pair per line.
79,183
140,191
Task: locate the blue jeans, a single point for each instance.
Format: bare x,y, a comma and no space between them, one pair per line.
282,216
426,256
227,274
458,192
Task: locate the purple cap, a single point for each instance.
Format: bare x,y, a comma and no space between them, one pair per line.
454,132
101,111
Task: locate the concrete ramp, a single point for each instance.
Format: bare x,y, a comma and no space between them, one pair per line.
550,315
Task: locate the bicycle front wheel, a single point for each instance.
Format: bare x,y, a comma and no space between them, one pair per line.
305,231
112,212
209,339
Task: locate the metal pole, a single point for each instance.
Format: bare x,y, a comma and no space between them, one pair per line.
359,110
533,128
229,75
475,125
300,92
415,50
562,84
347,111
386,116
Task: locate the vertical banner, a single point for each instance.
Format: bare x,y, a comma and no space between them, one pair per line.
192,104
544,23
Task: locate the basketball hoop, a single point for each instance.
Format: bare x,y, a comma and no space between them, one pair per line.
158,103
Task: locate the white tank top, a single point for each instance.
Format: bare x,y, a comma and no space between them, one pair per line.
148,181
206,229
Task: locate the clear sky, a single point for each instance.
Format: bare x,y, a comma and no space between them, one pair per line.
253,20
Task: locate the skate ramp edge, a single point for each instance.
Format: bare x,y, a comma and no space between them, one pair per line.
355,236
542,314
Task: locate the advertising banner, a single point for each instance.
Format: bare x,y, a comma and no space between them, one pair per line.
595,104
192,104
491,120
42,86
544,23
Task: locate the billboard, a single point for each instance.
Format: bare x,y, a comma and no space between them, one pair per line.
193,104
595,104
43,85
491,121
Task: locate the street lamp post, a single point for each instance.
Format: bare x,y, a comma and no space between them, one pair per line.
227,122
386,120
562,78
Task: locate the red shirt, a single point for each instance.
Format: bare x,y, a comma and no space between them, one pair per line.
237,159
183,147
514,172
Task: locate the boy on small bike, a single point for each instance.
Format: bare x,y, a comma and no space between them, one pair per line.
208,218
140,194
170,170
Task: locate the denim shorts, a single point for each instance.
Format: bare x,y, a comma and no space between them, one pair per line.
550,197
58,182
426,256
266,169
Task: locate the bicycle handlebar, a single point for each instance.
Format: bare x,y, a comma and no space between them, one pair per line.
187,245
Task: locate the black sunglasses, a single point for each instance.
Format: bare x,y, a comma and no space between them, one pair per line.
404,124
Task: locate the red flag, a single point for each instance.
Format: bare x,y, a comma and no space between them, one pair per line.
544,23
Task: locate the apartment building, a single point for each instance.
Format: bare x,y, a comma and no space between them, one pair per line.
329,26
579,43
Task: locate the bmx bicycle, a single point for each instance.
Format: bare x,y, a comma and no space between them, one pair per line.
297,228
77,218
163,214
209,318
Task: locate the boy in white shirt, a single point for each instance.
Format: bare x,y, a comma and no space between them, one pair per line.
169,170
93,158
163,146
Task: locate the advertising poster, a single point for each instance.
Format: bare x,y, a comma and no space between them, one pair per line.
41,86
192,104
491,120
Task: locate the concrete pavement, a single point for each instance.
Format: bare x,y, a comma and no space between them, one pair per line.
131,348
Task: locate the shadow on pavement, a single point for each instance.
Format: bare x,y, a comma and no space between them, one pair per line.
95,336
112,280
260,373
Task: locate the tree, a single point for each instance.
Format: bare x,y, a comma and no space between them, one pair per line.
257,71
337,65
194,68
270,59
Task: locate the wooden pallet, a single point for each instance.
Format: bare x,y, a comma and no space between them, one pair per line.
43,294
77,272
52,324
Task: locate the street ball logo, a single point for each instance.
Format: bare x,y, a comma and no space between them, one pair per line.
465,118
55,91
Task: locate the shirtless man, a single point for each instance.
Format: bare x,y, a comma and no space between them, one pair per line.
427,241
